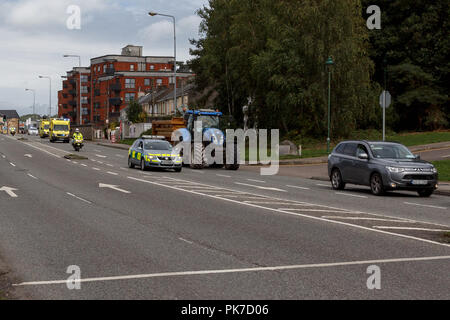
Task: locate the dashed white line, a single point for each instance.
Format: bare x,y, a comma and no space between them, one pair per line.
366,218
84,165
223,176
30,175
297,187
81,199
260,187
109,165
414,229
351,195
96,169
100,156
258,181
425,205
12,164
113,173
242,270
187,241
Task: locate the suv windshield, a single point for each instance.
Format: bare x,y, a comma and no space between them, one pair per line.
390,151
157,145
61,127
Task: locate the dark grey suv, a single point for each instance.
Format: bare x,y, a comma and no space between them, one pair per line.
382,166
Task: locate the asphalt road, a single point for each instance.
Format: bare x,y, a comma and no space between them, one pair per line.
209,234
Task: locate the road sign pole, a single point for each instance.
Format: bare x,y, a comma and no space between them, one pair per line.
384,116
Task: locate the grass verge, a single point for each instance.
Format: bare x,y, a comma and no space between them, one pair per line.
443,167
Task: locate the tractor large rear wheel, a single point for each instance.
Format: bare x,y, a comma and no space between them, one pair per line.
197,156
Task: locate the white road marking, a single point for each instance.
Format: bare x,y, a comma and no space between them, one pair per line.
253,180
223,176
351,195
100,156
248,203
109,165
3,156
9,191
113,187
322,185
313,210
12,164
366,218
297,187
28,156
120,156
72,195
260,187
84,165
113,173
187,241
425,205
412,228
242,270
96,169
32,176
100,162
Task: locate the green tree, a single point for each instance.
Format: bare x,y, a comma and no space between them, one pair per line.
134,111
414,41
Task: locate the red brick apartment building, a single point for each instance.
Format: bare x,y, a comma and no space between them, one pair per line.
110,83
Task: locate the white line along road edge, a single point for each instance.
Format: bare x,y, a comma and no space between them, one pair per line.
257,269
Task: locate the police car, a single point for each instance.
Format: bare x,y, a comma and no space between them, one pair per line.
150,152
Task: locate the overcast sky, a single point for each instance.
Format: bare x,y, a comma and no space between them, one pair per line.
34,36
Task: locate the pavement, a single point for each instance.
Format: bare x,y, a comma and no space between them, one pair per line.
208,234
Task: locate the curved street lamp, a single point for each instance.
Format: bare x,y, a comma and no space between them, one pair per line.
34,101
152,14
329,63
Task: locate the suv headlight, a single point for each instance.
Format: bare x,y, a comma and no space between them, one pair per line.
395,169
434,170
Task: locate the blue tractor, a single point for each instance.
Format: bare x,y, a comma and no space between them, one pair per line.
212,136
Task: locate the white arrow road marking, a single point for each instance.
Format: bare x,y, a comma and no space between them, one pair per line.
110,186
100,156
28,156
9,191
260,187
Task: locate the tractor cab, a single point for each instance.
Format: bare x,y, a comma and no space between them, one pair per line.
208,118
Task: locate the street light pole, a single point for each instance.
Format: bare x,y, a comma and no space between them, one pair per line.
79,86
329,63
50,94
34,100
384,97
152,14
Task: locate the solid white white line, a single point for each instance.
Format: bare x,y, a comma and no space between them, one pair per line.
242,270
350,195
322,185
425,205
12,164
297,187
366,218
72,195
253,180
414,229
293,213
313,210
113,173
32,176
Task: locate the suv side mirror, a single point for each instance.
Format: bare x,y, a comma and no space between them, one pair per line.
417,156
363,156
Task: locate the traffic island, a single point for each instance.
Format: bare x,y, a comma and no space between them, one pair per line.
75,157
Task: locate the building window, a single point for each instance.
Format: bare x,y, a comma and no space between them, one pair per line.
159,81
152,67
84,78
130,83
129,96
147,82
131,67
84,100
84,89
104,68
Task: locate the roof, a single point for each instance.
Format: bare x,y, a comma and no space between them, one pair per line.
10,114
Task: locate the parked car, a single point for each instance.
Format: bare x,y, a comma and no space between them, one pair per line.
381,165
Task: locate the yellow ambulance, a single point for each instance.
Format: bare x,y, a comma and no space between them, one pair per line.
44,128
59,130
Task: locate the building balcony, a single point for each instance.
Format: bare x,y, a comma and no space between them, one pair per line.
115,87
115,101
110,71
